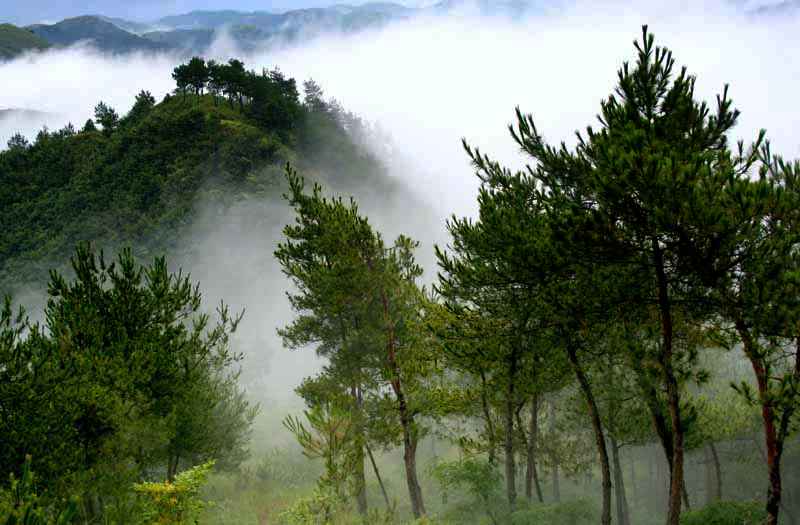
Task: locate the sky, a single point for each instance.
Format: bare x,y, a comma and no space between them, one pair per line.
23,12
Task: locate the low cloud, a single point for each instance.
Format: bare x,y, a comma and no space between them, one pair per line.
427,83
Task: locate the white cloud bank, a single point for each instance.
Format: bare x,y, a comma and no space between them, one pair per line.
430,82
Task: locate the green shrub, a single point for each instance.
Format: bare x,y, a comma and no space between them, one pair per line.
727,513
478,477
321,508
177,502
20,504
576,512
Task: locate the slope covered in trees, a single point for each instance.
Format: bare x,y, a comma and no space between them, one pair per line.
136,178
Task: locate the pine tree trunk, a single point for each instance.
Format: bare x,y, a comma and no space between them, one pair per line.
361,485
410,460
768,417
709,471
406,418
378,476
511,472
597,426
634,486
489,422
623,513
717,472
676,487
554,459
531,472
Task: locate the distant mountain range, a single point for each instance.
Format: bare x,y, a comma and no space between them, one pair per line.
194,32
100,32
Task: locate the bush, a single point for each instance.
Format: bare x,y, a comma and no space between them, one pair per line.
177,502
321,508
727,513
573,512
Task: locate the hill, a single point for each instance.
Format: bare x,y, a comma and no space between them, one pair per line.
103,34
15,40
140,181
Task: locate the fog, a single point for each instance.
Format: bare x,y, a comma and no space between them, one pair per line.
428,83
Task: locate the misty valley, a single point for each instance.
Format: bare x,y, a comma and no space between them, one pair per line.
296,268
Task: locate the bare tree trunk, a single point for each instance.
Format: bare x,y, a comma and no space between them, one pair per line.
623,513
597,426
378,475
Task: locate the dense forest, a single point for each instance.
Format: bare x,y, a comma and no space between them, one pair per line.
614,337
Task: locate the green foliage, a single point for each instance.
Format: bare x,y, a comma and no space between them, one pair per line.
20,505
727,513
176,502
331,437
127,375
478,477
577,512
107,117
286,468
321,508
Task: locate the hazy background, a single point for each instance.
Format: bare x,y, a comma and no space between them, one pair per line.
36,11
427,83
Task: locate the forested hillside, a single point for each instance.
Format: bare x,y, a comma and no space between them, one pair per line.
136,178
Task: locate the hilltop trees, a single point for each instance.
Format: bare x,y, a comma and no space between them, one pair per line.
106,116
269,97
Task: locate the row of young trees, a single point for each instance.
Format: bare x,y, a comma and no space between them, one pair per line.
613,270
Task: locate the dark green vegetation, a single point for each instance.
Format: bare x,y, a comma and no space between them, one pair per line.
727,513
126,377
613,338
15,40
